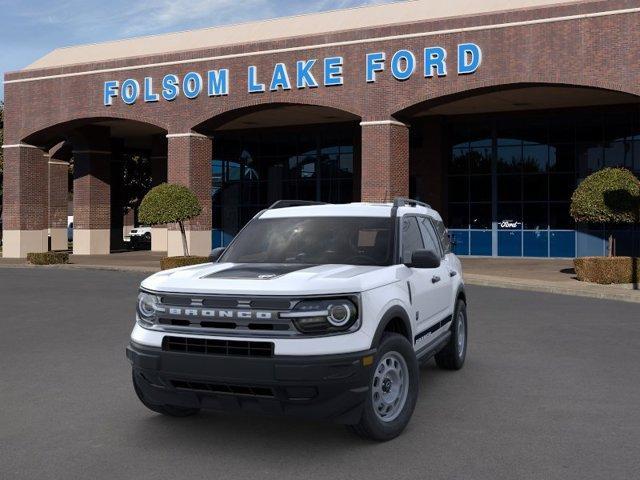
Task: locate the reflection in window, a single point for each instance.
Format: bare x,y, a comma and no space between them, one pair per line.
253,169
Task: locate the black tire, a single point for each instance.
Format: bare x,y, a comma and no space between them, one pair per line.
169,410
371,426
452,356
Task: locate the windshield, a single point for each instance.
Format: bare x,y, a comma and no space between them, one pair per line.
314,240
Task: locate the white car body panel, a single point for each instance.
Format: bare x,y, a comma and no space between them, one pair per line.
380,288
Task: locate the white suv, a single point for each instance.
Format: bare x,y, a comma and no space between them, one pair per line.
316,310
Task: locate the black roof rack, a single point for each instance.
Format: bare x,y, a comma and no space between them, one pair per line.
408,202
293,203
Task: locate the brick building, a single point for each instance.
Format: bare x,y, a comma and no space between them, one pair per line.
491,111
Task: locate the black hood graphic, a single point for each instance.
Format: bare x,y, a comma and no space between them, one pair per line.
258,271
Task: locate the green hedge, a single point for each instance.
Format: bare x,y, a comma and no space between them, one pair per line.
48,258
175,262
607,270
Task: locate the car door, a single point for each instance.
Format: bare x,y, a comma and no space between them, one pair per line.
440,293
422,282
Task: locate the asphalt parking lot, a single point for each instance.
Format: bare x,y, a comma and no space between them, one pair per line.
551,389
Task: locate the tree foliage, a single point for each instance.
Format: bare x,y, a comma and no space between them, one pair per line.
136,181
611,195
169,203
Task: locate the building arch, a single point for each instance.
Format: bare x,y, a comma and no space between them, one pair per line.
119,126
454,93
310,112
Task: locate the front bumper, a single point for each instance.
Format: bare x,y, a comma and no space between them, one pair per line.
319,387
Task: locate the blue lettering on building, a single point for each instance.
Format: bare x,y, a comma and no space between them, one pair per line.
430,63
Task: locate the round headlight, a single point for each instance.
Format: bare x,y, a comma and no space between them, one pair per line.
324,316
146,305
339,314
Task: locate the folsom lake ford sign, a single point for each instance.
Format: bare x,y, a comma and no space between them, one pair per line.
310,73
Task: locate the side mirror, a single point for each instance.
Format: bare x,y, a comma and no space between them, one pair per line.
216,253
424,259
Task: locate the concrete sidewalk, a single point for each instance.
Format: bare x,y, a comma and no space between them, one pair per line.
137,261
540,275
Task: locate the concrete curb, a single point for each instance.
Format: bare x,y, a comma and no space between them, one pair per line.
602,292
73,266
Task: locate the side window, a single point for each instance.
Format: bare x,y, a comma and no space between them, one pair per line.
430,238
443,235
411,238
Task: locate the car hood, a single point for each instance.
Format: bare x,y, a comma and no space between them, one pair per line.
271,279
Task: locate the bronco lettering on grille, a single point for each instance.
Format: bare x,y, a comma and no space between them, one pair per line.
214,313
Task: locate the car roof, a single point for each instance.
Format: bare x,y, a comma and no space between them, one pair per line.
356,209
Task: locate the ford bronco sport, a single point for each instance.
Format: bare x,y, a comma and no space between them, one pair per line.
315,310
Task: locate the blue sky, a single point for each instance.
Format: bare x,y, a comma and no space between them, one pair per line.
30,29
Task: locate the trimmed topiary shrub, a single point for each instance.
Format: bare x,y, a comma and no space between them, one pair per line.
611,195
48,258
607,270
175,262
169,203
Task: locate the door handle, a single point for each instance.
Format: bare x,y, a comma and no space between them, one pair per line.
435,279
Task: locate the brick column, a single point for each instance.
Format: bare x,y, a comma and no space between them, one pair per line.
58,197
385,160
25,201
189,164
92,192
158,159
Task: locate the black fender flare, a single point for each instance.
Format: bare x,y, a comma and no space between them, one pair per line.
394,312
461,294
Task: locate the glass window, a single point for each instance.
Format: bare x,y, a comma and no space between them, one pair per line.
429,236
480,216
535,216
538,158
535,187
480,160
458,188
509,216
411,238
314,241
618,154
561,186
534,158
562,158
459,161
458,215
255,168
509,188
559,217
480,188
443,235
510,159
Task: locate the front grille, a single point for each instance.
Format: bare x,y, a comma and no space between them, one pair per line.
217,314
206,346
223,388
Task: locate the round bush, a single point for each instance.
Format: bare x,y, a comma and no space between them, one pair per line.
611,195
168,203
